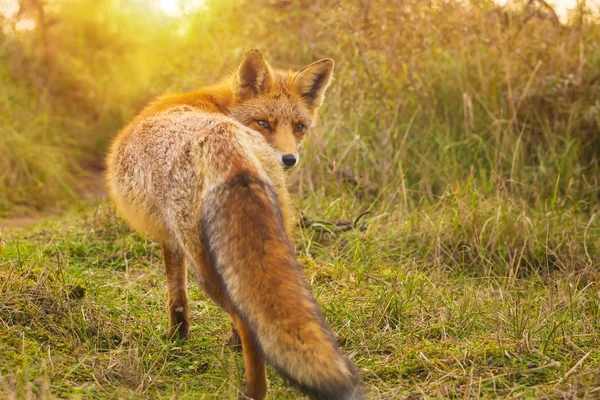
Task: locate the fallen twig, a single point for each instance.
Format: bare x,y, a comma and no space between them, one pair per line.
333,226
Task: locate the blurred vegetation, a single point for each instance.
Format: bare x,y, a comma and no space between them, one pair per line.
428,95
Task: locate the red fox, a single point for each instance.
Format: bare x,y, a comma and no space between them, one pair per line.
203,172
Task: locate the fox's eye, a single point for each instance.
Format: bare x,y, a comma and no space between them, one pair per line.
263,124
299,128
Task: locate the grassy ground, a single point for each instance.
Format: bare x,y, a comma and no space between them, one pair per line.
469,298
469,132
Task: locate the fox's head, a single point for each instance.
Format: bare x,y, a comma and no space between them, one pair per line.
281,105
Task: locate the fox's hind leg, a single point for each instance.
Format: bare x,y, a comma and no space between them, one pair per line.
177,284
254,361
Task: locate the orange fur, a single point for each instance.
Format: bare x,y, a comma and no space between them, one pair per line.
202,172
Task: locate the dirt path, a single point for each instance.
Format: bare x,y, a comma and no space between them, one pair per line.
91,190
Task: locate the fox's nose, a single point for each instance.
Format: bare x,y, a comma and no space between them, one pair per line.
289,160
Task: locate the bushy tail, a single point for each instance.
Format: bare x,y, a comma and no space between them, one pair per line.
244,235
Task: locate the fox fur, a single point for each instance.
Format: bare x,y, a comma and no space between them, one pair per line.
202,172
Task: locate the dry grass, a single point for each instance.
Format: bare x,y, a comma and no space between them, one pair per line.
469,133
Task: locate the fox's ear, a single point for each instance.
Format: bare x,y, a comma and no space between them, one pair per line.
312,81
253,75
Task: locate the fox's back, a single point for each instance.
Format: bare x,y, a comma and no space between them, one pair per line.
159,165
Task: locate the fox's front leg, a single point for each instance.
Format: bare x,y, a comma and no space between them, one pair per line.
176,270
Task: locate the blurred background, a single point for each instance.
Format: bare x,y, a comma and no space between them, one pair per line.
498,98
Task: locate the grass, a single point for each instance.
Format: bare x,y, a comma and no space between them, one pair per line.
425,96
468,298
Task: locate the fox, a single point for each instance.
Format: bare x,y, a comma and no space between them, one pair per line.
204,174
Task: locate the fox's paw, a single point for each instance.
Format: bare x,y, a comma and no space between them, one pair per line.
179,332
247,394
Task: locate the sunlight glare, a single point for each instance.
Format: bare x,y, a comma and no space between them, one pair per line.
176,8
8,8
26,24
170,7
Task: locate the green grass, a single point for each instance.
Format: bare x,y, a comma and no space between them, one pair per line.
468,298
468,132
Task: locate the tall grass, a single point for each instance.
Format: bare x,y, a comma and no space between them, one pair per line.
426,96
